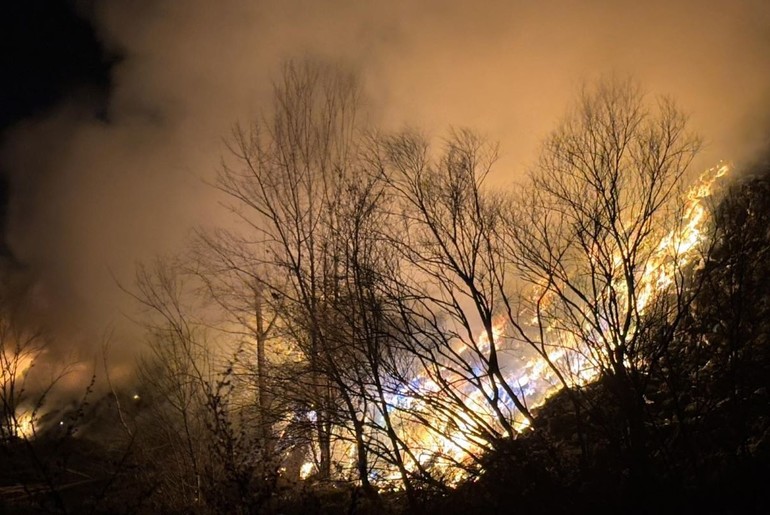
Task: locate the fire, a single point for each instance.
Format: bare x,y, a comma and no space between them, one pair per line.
24,425
679,248
15,364
306,470
445,443
536,380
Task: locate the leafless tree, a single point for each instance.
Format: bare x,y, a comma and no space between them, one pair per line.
588,235
175,372
289,183
397,285
207,450
446,291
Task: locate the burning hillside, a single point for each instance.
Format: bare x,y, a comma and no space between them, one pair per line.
377,322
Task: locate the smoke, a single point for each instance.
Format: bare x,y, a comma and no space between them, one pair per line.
92,195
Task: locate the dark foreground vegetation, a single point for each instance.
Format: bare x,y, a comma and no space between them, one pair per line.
377,305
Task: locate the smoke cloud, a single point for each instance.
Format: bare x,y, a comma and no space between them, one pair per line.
92,195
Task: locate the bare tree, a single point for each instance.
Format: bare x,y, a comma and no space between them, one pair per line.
175,370
207,451
446,291
597,236
402,285
288,181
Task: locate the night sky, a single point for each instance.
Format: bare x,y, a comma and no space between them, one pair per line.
113,111
50,53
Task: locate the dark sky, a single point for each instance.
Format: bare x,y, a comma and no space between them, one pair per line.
50,52
103,159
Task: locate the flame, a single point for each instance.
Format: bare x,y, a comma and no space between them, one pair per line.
306,470
14,366
677,249
24,425
536,380
447,443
